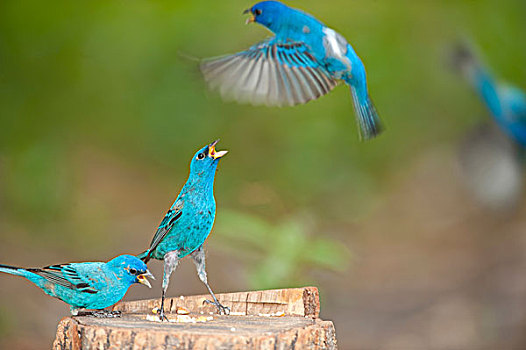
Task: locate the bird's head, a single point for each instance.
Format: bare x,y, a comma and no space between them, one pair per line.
267,13
131,269
205,160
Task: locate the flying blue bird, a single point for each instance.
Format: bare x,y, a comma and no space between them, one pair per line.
89,285
506,103
188,222
303,61
492,154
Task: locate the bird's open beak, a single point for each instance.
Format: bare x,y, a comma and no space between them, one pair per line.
144,280
250,19
212,151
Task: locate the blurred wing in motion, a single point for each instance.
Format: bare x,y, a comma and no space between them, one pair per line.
491,167
269,73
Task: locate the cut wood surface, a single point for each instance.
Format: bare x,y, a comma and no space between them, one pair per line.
293,302
272,319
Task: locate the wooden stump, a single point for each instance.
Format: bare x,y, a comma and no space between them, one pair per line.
270,319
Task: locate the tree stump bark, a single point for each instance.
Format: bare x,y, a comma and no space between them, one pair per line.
270,319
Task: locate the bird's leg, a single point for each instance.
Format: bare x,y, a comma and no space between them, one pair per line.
199,259
171,260
162,317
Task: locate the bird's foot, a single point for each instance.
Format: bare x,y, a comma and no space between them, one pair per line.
222,310
101,314
162,316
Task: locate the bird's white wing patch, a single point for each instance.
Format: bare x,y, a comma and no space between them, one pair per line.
335,44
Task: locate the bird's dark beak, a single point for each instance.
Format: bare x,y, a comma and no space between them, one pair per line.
143,278
250,19
212,151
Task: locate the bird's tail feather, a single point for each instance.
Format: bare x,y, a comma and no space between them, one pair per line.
366,115
12,270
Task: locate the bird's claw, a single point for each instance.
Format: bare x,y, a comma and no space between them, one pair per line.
222,310
162,316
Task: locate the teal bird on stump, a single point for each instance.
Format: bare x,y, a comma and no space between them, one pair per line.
188,223
89,285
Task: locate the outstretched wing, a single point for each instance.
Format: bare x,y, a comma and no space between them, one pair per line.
271,73
65,275
173,214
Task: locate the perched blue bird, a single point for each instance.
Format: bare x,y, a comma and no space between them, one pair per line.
506,103
188,222
89,285
303,61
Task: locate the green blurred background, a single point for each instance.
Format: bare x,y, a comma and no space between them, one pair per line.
101,109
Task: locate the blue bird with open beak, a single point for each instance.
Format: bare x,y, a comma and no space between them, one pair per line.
88,285
188,222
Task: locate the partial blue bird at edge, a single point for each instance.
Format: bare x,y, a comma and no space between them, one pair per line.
506,103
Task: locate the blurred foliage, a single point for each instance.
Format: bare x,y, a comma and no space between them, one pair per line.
278,254
114,78
50,187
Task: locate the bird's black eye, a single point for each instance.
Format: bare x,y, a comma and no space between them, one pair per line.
200,156
257,12
133,271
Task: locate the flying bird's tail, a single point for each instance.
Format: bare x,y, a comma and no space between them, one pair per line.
366,114
12,270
